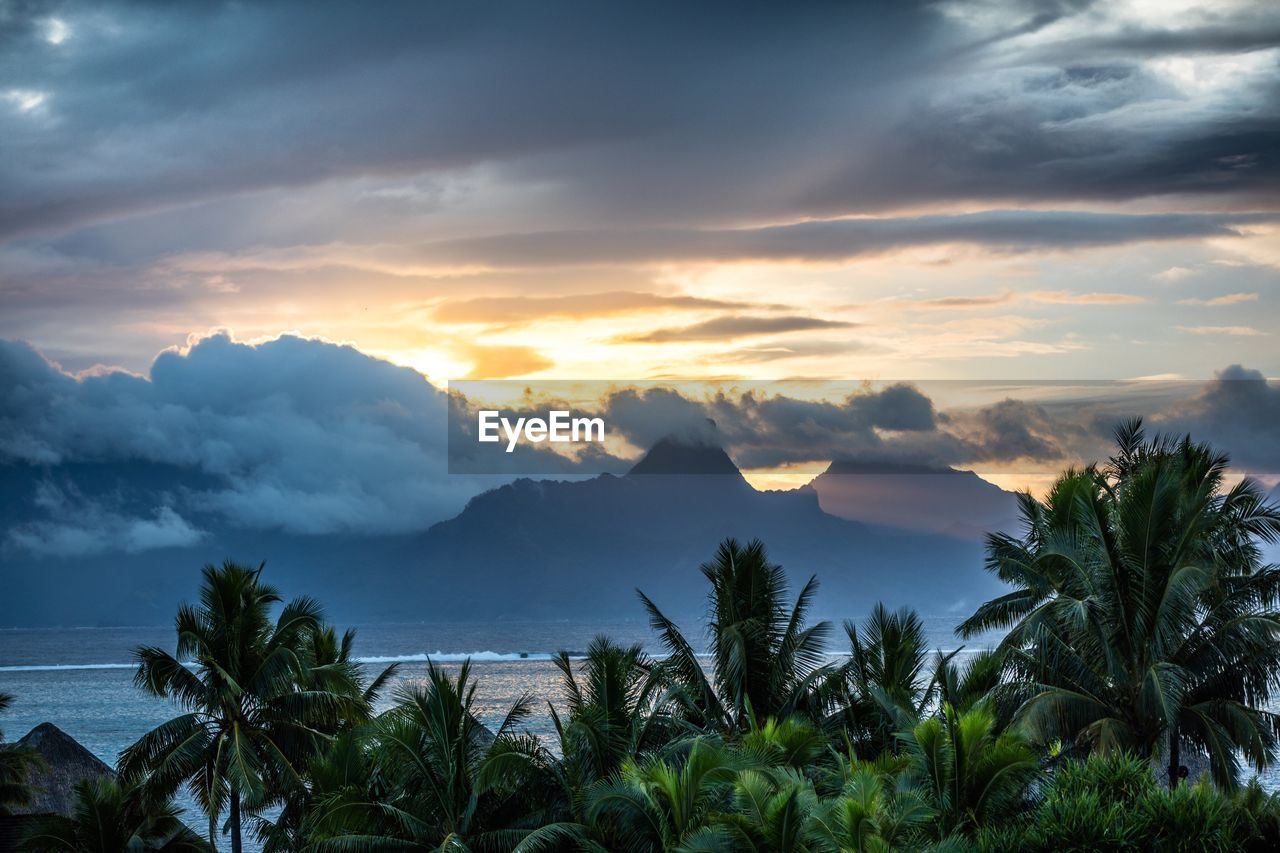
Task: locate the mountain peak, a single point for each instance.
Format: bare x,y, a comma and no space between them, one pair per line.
916,496
673,456
886,466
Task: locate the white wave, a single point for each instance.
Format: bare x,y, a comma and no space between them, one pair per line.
56,667
438,657
458,657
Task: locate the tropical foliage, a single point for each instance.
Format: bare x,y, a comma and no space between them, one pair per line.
262,699
16,764
110,817
1142,618
766,661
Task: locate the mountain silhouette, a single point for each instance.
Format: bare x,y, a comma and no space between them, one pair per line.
545,549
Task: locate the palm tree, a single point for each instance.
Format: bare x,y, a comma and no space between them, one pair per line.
1142,618
611,710
666,803
977,680
794,742
773,811
872,814
970,773
16,763
884,686
339,779
432,776
766,661
110,817
255,712
327,665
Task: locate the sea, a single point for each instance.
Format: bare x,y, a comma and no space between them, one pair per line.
81,679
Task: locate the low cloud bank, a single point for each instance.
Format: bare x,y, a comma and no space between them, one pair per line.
308,437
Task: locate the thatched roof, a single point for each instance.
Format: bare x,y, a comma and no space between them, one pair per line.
66,763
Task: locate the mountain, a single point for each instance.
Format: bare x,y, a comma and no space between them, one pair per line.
553,549
530,549
914,497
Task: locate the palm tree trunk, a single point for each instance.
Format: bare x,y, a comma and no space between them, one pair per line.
213,813
1175,757
236,843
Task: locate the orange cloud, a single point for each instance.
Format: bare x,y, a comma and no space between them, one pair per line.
500,362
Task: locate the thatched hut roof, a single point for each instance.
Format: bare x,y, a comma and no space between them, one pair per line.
66,763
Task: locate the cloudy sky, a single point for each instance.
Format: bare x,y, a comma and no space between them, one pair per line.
902,190
234,237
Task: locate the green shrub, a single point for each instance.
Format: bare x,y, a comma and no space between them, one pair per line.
1084,820
1002,839
1192,818
1113,803
1257,818
1116,778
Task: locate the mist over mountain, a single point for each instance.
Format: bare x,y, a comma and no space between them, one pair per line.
916,497
529,549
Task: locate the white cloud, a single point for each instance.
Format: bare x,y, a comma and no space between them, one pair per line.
1173,274
1234,331
77,527
1219,301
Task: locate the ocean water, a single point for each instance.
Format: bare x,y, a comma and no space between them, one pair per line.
82,680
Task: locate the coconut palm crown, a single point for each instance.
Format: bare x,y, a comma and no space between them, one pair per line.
1142,617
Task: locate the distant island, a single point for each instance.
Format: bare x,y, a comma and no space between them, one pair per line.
542,548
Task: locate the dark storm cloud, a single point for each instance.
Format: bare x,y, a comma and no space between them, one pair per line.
897,422
761,429
629,112
839,239
1240,411
1014,429
1087,116
153,105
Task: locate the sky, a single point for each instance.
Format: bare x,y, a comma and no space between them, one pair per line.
244,246
1032,190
